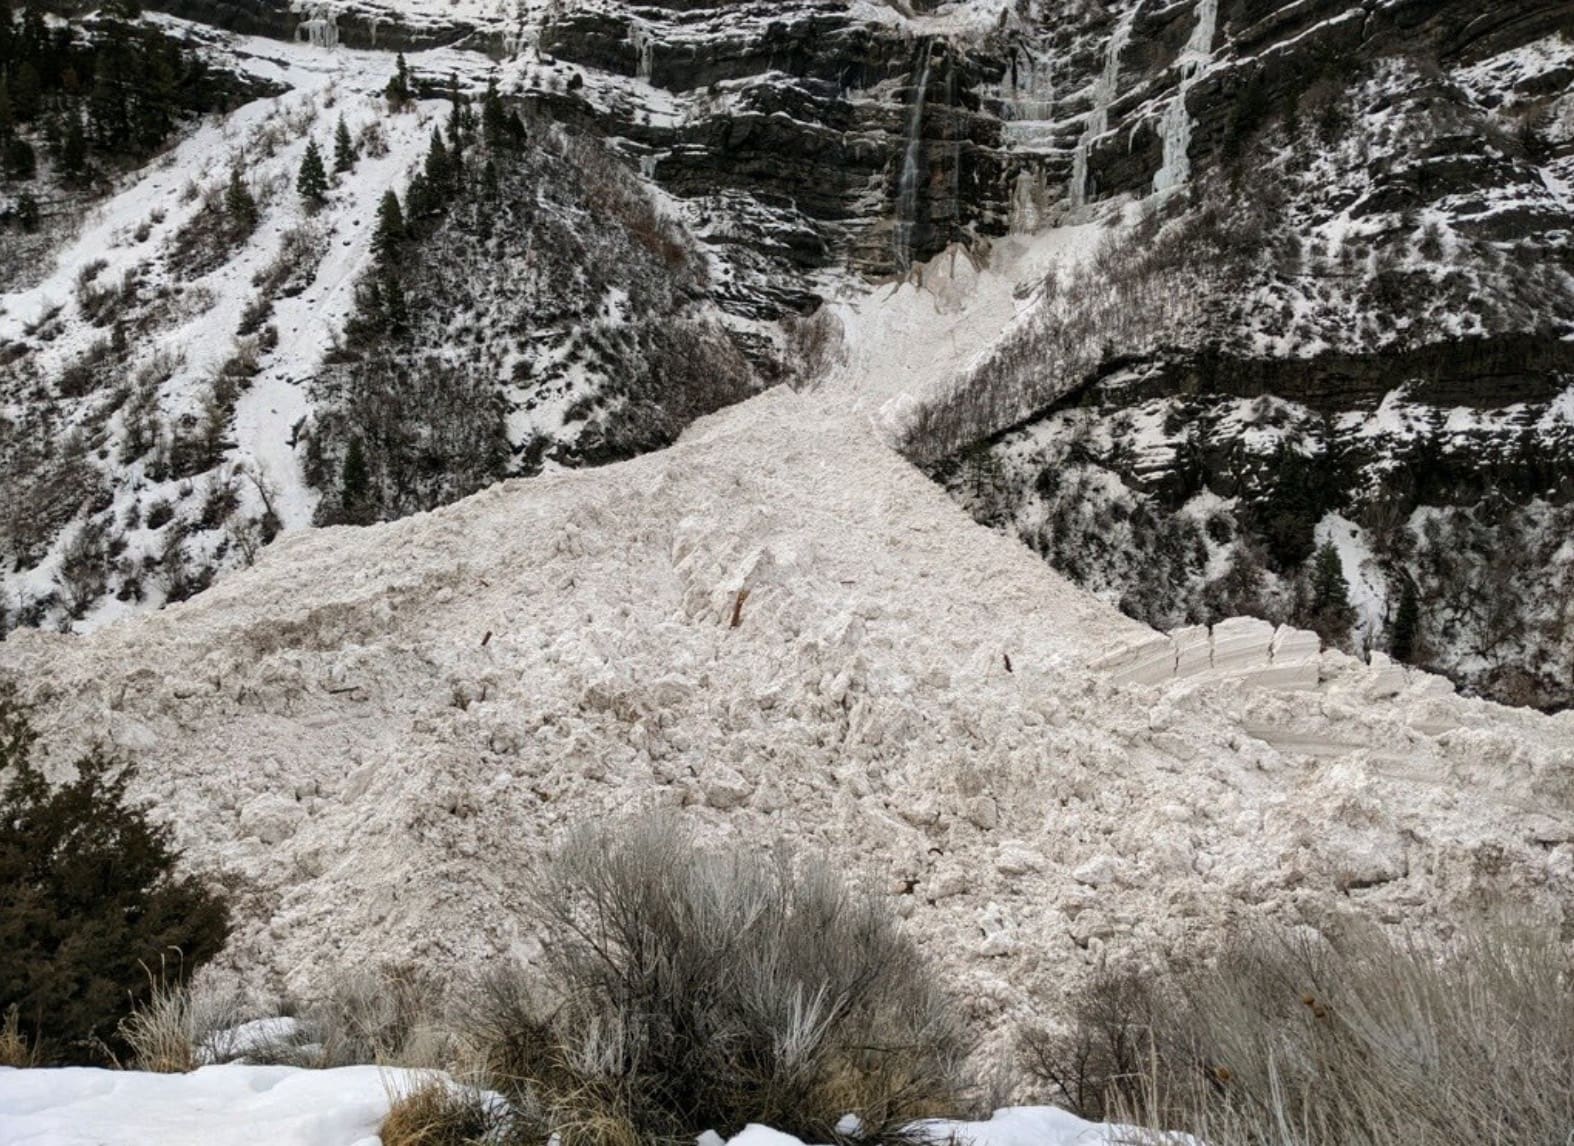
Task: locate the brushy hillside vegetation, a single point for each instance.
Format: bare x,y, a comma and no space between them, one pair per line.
584,338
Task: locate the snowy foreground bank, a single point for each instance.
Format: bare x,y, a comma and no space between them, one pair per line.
236,1105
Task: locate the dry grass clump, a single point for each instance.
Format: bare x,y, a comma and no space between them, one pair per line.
687,990
439,1113
394,1016
1358,1039
175,1028
15,1050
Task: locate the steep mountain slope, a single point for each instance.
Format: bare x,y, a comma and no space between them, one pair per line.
186,381
781,627
1351,270
1356,336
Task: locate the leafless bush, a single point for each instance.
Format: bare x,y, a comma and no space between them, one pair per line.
292,270
688,990
814,347
1097,1059
1355,1040
371,140
392,1017
84,569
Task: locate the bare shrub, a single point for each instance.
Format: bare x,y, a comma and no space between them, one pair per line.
687,990
1095,1062
1356,1040
292,270
814,347
392,1017
84,569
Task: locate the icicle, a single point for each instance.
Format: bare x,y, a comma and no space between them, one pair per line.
907,184
1105,88
644,51
1175,127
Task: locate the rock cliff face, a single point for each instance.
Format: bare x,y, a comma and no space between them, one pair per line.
847,133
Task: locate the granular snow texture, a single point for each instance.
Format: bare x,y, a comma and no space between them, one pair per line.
782,628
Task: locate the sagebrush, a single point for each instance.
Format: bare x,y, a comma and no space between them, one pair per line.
1347,1038
686,989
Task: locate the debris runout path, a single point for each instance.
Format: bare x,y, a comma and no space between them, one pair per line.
783,629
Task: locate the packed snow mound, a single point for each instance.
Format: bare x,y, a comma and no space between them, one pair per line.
782,628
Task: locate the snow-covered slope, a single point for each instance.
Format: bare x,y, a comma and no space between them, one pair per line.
781,627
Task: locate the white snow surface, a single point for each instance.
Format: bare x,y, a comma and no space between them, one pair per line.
783,629
239,1105
213,1106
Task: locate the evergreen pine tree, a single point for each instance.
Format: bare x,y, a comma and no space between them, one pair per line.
27,211
456,122
395,310
390,226
494,123
26,92
240,206
90,897
439,166
18,159
343,149
1407,623
1332,615
355,484
312,182
107,114
419,201
1329,588
398,89
73,153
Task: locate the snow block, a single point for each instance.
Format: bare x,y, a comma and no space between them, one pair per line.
1242,644
1193,650
1386,679
1149,661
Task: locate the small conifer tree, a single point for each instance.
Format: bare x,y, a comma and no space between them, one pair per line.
1403,638
390,226
1332,615
343,149
89,898
73,152
27,213
313,179
398,89
240,205
439,165
494,123
355,485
